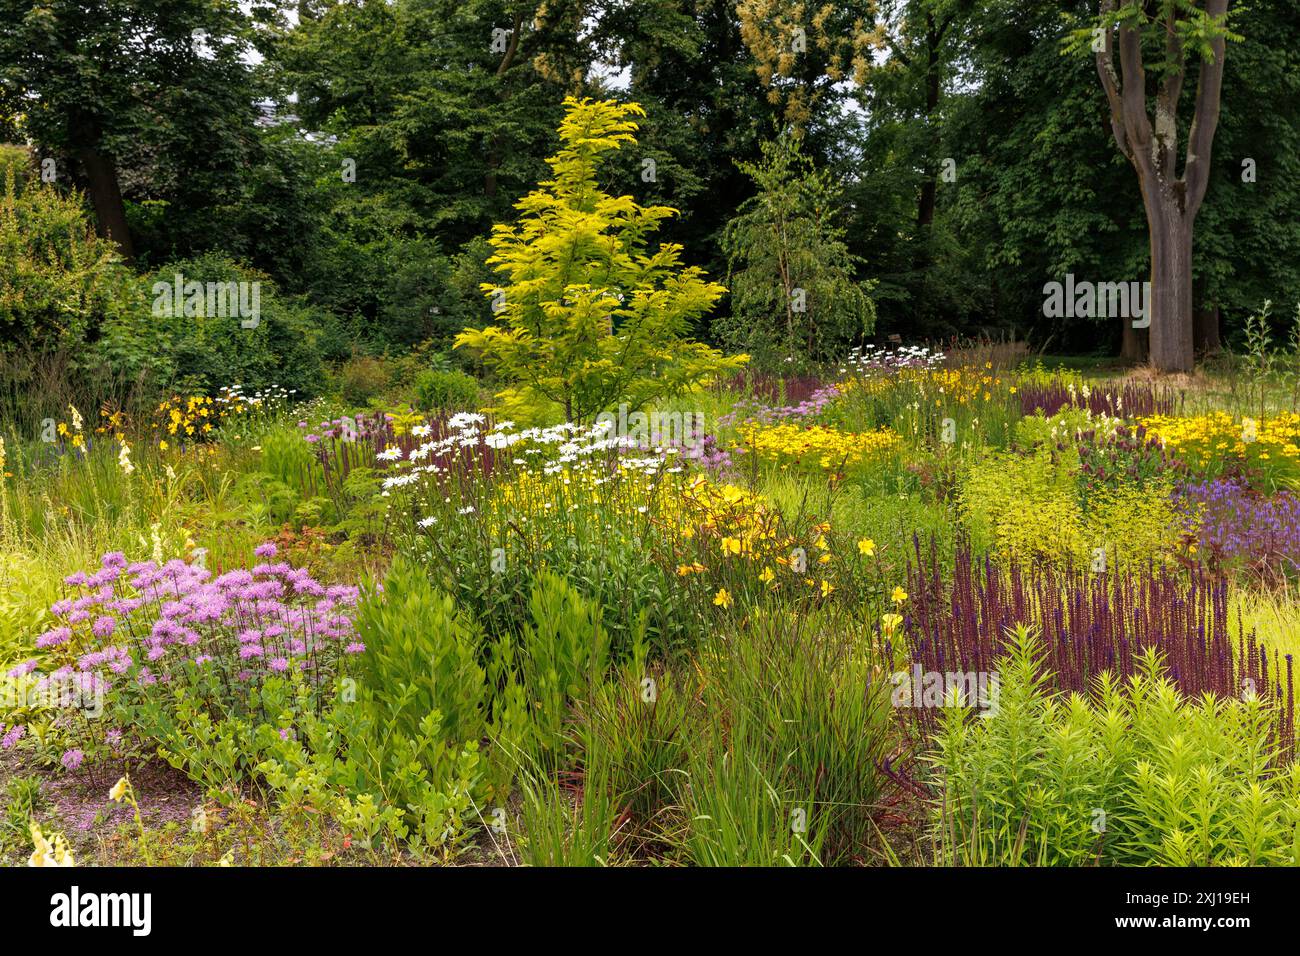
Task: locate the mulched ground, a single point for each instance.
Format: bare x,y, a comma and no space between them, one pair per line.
77,803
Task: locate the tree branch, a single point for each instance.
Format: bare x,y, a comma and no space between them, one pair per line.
1111,84
1171,88
1196,171
1137,124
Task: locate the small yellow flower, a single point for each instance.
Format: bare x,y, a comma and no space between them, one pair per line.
118,791
826,587
867,548
889,622
767,574
722,598
899,595
49,852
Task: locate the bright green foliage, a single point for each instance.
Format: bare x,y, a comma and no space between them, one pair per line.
58,281
425,700
201,353
1134,775
437,390
1030,507
421,658
565,653
793,295
590,317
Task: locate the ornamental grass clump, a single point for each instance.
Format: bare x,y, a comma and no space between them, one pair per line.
1091,622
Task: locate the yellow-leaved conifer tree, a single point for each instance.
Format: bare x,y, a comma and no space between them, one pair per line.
588,316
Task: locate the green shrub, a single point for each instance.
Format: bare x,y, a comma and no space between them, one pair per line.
1134,774
19,159
59,282
425,701
197,349
362,378
438,391
1031,507
588,314
421,656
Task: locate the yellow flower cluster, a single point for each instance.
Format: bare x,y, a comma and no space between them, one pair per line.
736,520
962,385
49,850
194,418
75,432
826,447
708,527
1204,441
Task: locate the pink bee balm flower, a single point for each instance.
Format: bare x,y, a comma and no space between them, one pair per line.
26,667
54,638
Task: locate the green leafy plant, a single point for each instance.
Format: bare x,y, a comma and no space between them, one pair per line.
58,280
443,390
1132,774
565,653
794,299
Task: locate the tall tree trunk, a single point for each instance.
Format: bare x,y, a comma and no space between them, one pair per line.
1205,329
1171,201
1132,350
106,196
1170,307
